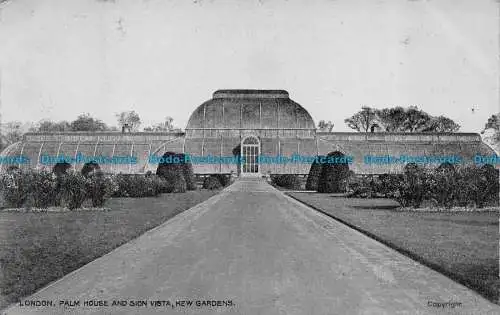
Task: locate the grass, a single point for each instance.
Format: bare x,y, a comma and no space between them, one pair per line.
38,248
461,245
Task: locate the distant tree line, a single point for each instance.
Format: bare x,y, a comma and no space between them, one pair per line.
11,132
399,119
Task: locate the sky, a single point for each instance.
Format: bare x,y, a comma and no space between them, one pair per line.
61,58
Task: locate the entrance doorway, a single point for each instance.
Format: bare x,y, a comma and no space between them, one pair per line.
250,150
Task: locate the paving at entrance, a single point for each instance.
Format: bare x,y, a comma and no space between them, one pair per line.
266,253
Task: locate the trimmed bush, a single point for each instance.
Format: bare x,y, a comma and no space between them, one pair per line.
445,186
314,174
43,189
187,171
173,172
73,190
224,180
138,186
15,186
383,186
412,189
100,187
288,181
493,187
334,175
178,185
441,186
478,186
211,183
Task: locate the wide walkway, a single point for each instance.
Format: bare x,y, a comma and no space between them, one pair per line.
261,253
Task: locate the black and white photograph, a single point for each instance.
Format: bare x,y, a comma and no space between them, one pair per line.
291,157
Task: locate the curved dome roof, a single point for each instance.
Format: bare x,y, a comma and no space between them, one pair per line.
250,109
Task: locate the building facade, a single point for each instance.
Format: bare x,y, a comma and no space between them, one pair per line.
246,124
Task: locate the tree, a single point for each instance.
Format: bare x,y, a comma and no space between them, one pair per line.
391,119
362,120
130,119
167,125
493,122
441,124
492,131
12,132
400,119
84,122
51,126
416,120
325,126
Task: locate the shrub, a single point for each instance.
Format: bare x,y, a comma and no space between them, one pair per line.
174,173
441,186
477,186
43,188
333,177
372,186
288,181
15,186
179,185
412,188
100,187
137,186
212,182
492,190
73,190
187,171
223,179
61,168
89,167
314,174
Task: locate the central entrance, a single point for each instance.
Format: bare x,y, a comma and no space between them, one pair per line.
250,150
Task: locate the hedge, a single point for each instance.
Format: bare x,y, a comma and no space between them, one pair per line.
212,182
42,189
445,186
288,181
138,186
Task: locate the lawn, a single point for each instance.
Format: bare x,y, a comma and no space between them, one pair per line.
461,245
38,248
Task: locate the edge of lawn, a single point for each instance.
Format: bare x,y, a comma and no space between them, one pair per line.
488,293
49,284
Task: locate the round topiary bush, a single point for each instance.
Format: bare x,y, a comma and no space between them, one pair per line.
173,169
187,171
212,182
334,174
314,174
